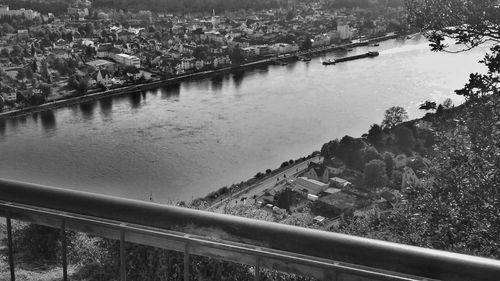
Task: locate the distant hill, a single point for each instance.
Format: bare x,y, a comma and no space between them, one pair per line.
187,5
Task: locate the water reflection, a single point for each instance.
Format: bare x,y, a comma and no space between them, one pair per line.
87,109
34,116
13,123
48,119
216,82
238,78
291,66
106,106
3,126
135,100
22,119
171,92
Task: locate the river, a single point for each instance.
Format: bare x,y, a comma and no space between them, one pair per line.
183,141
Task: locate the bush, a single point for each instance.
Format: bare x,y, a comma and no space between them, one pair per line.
36,242
259,175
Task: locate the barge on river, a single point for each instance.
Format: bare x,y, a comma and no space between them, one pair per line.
365,55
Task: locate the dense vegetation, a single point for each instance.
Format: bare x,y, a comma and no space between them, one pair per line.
56,7
187,6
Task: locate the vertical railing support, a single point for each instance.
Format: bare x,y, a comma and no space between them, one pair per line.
64,251
10,245
123,269
187,262
257,269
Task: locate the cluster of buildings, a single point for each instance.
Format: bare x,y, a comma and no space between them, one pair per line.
163,45
5,11
324,186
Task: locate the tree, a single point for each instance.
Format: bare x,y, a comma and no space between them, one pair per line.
448,103
46,89
375,135
350,151
468,24
236,56
29,73
4,52
458,210
73,82
16,51
306,44
21,74
375,174
389,163
328,149
44,71
394,116
404,138
428,105
370,154
200,52
83,85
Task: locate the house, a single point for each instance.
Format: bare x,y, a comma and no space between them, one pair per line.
313,186
424,125
9,96
317,172
400,161
338,203
102,64
409,178
127,60
341,183
103,78
335,166
106,50
23,34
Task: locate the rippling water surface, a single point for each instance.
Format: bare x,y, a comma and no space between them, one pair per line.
185,140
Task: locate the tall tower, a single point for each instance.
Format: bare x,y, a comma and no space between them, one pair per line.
215,20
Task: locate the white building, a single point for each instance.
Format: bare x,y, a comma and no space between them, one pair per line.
127,60
313,186
28,14
10,96
345,31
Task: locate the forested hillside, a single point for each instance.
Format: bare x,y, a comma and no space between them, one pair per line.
187,5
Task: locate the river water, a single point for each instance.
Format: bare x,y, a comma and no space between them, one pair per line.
183,141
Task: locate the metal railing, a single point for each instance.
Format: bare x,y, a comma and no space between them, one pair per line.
319,254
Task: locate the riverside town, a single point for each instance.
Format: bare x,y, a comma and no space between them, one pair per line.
353,140
86,49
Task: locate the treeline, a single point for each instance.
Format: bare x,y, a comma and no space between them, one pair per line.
187,6
56,7
350,4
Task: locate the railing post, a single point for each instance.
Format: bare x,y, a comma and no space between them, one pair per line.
187,262
257,269
123,269
10,245
64,251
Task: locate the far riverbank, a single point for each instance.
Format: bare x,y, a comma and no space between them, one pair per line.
63,102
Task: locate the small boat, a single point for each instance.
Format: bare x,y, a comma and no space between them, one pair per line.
328,62
375,44
408,37
372,54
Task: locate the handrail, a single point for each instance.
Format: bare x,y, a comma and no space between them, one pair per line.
215,227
